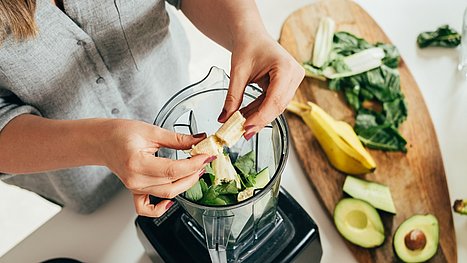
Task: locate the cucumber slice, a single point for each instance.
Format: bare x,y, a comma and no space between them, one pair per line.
262,178
377,195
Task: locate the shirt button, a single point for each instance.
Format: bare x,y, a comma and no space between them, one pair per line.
80,43
115,111
100,80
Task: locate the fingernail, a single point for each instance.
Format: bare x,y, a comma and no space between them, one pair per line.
201,173
210,159
249,135
169,205
199,135
249,128
222,116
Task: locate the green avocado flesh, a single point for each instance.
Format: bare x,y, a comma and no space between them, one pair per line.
359,222
377,195
428,224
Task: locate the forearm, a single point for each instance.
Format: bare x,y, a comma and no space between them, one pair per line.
226,22
31,144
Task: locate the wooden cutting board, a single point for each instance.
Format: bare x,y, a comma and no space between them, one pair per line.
416,179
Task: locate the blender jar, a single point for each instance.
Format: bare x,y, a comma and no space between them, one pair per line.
229,230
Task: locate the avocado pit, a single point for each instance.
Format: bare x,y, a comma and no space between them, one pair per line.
415,240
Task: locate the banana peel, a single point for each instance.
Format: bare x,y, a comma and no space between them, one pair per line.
337,138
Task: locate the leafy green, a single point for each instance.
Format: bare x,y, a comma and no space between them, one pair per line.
392,57
376,130
227,188
444,36
195,193
345,44
377,135
246,163
396,111
204,186
205,192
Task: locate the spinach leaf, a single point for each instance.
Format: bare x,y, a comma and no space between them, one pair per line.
204,186
346,44
392,57
351,95
375,132
382,137
396,111
220,194
246,164
195,192
227,188
444,36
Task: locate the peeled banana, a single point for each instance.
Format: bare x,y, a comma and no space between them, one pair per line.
224,171
337,138
228,134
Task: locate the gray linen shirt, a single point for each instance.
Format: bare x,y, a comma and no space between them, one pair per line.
99,58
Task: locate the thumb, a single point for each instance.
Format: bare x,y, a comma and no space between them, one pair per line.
238,81
177,141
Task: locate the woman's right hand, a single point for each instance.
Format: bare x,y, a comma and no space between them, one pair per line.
128,150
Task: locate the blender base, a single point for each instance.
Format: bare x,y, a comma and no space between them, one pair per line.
294,236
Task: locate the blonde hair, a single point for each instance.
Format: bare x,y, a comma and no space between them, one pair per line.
17,19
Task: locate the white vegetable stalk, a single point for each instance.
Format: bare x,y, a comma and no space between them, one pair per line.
323,42
360,62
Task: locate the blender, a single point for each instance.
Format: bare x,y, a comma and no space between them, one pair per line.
268,227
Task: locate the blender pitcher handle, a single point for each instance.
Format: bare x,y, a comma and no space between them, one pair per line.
217,232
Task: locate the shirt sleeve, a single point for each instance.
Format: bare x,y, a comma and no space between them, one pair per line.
11,107
176,3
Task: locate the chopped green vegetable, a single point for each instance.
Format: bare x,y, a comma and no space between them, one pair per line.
226,188
246,164
323,42
381,85
220,184
444,36
355,64
460,206
195,193
313,72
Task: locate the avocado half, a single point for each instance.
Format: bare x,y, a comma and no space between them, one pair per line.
416,239
359,222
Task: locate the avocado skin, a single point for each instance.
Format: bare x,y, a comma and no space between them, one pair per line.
431,231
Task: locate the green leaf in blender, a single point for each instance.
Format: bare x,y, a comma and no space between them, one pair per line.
227,188
204,186
444,36
246,164
195,193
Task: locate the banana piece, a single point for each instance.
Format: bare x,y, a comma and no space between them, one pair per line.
232,130
338,140
245,194
228,134
211,146
224,171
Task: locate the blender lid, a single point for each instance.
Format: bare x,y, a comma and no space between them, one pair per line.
168,239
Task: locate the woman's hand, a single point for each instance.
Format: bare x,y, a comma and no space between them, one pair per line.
261,60
128,150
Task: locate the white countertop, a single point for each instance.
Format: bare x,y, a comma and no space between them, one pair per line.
108,235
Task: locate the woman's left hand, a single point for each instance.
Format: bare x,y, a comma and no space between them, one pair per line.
263,61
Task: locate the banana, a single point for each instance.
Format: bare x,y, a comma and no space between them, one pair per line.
232,130
228,134
211,146
224,171
245,194
338,140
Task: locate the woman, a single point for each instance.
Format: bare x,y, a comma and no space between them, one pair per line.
81,80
